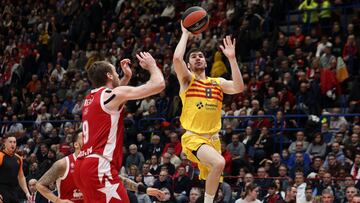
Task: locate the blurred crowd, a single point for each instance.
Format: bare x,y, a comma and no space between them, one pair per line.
313,70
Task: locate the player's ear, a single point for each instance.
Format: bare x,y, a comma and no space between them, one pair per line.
188,66
109,75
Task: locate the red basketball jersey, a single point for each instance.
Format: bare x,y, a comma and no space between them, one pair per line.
66,185
102,129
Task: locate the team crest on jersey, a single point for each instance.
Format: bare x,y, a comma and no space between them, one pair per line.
86,110
199,105
89,100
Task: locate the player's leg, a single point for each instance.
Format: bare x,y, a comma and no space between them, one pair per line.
209,156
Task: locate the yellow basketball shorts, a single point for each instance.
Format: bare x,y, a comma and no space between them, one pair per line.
191,142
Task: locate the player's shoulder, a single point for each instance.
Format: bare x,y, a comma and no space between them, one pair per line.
61,163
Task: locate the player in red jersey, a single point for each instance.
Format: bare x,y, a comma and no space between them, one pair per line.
62,172
99,162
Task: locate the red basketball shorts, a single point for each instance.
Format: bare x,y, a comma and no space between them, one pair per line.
99,181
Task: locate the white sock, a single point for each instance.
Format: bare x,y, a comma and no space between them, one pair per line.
209,198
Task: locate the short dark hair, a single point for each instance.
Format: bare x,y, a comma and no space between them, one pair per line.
97,73
193,50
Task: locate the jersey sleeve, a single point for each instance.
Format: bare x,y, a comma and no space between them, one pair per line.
1,158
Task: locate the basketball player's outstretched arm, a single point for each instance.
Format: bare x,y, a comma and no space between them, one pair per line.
182,72
125,66
153,86
236,85
136,187
56,171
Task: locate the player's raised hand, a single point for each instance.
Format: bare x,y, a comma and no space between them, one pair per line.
229,47
146,61
125,67
160,195
183,29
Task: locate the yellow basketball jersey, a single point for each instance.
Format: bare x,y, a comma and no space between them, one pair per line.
202,103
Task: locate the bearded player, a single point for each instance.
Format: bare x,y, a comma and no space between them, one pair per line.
99,162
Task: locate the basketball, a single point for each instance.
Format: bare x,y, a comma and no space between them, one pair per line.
195,19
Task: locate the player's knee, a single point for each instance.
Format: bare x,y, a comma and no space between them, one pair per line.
219,163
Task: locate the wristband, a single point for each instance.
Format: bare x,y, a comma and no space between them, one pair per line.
142,188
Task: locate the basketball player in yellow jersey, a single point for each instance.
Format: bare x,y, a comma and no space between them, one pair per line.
201,114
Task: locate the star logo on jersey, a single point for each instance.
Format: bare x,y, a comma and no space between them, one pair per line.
199,105
110,190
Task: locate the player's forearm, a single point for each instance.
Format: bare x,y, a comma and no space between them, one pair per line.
22,183
236,74
156,82
129,184
46,192
125,80
181,47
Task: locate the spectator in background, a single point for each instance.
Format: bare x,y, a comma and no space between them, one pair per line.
275,165
251,194
175,142
301,161
169,196
154,165
327,58
155,146
142,145
228,159
309,198
166,164
175,160
34,85
182,185
321,46
58,73
262,181
195,193
337,151
145,105
326,183
300,137
356,198
148,178
272,195
262,147
327,196
163,181
317,147
353,143
237,150
134,158
355,168
300,185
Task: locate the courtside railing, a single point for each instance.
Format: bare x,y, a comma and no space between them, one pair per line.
279,128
